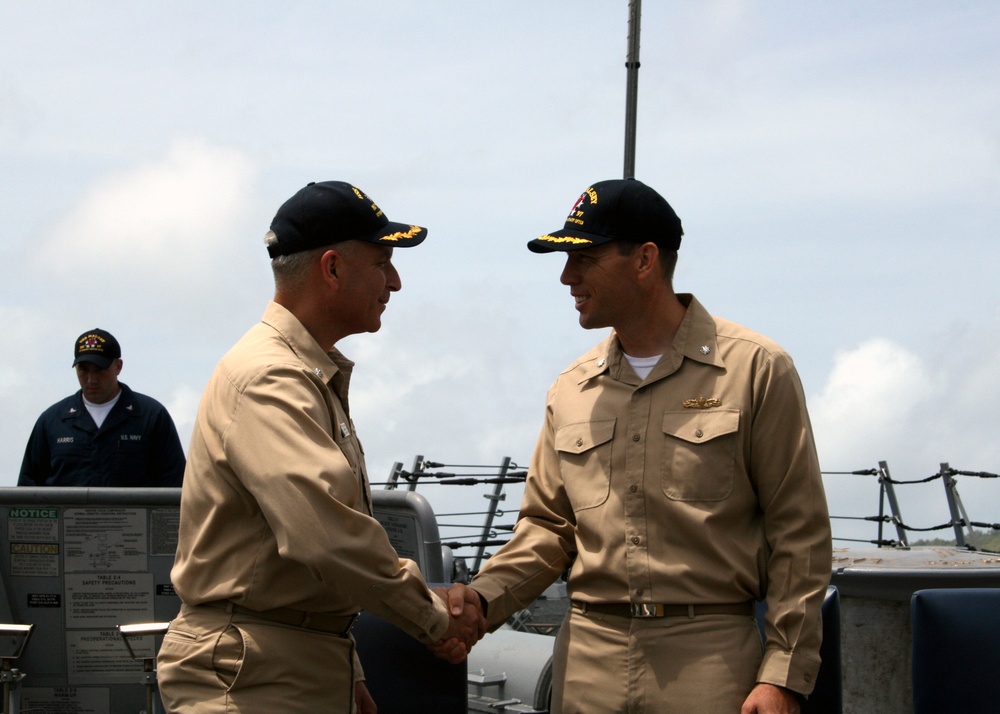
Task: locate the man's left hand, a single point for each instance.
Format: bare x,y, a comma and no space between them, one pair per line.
363,700
770,699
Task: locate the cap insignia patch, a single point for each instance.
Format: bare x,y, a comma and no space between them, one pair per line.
393,237
576,214
91,342
365,197
567,239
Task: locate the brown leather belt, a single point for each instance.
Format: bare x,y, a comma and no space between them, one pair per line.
643,609
321,622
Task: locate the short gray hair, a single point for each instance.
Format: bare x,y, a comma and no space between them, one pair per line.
290,271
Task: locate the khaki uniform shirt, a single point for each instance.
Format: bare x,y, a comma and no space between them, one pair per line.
276,507
697,485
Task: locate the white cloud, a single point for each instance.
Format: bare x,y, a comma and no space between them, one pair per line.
164,218
871,391
883,402
183,407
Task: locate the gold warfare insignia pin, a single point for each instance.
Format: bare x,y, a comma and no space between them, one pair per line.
701,403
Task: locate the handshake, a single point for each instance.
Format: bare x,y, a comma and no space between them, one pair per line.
467,625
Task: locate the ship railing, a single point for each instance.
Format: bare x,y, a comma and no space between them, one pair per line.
464,535
474,538
960,523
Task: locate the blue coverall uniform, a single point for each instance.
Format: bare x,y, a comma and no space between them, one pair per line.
137,445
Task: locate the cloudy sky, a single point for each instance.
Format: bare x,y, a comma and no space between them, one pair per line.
836,166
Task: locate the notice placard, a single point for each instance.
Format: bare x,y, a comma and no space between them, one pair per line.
66,700
99,655
105,539
108,599
34,559
33,523
401,528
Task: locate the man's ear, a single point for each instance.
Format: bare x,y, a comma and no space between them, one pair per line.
330,262
648,260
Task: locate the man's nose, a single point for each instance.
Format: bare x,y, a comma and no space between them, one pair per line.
568,276
393,281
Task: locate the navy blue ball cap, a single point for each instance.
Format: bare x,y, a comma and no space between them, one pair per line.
620,209
97,346
329,212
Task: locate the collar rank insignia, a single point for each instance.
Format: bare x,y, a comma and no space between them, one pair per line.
701,403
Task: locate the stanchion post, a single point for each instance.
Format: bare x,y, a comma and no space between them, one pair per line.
144,629
10,675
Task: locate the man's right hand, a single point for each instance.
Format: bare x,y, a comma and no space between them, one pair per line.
467,625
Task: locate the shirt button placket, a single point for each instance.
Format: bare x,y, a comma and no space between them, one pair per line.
637,570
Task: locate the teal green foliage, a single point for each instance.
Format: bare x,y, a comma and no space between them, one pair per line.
985,539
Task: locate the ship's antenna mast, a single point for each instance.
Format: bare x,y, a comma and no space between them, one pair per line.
632,85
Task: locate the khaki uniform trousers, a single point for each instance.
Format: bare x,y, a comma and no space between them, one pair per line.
215,662
604,664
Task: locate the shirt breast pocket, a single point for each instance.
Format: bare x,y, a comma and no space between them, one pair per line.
585,461
69,453
130,454
699,461
70,449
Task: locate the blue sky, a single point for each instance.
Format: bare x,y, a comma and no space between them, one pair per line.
836,166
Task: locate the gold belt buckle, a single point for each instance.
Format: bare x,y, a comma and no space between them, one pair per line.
646,609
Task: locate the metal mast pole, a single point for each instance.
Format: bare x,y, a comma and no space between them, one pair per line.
632,85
